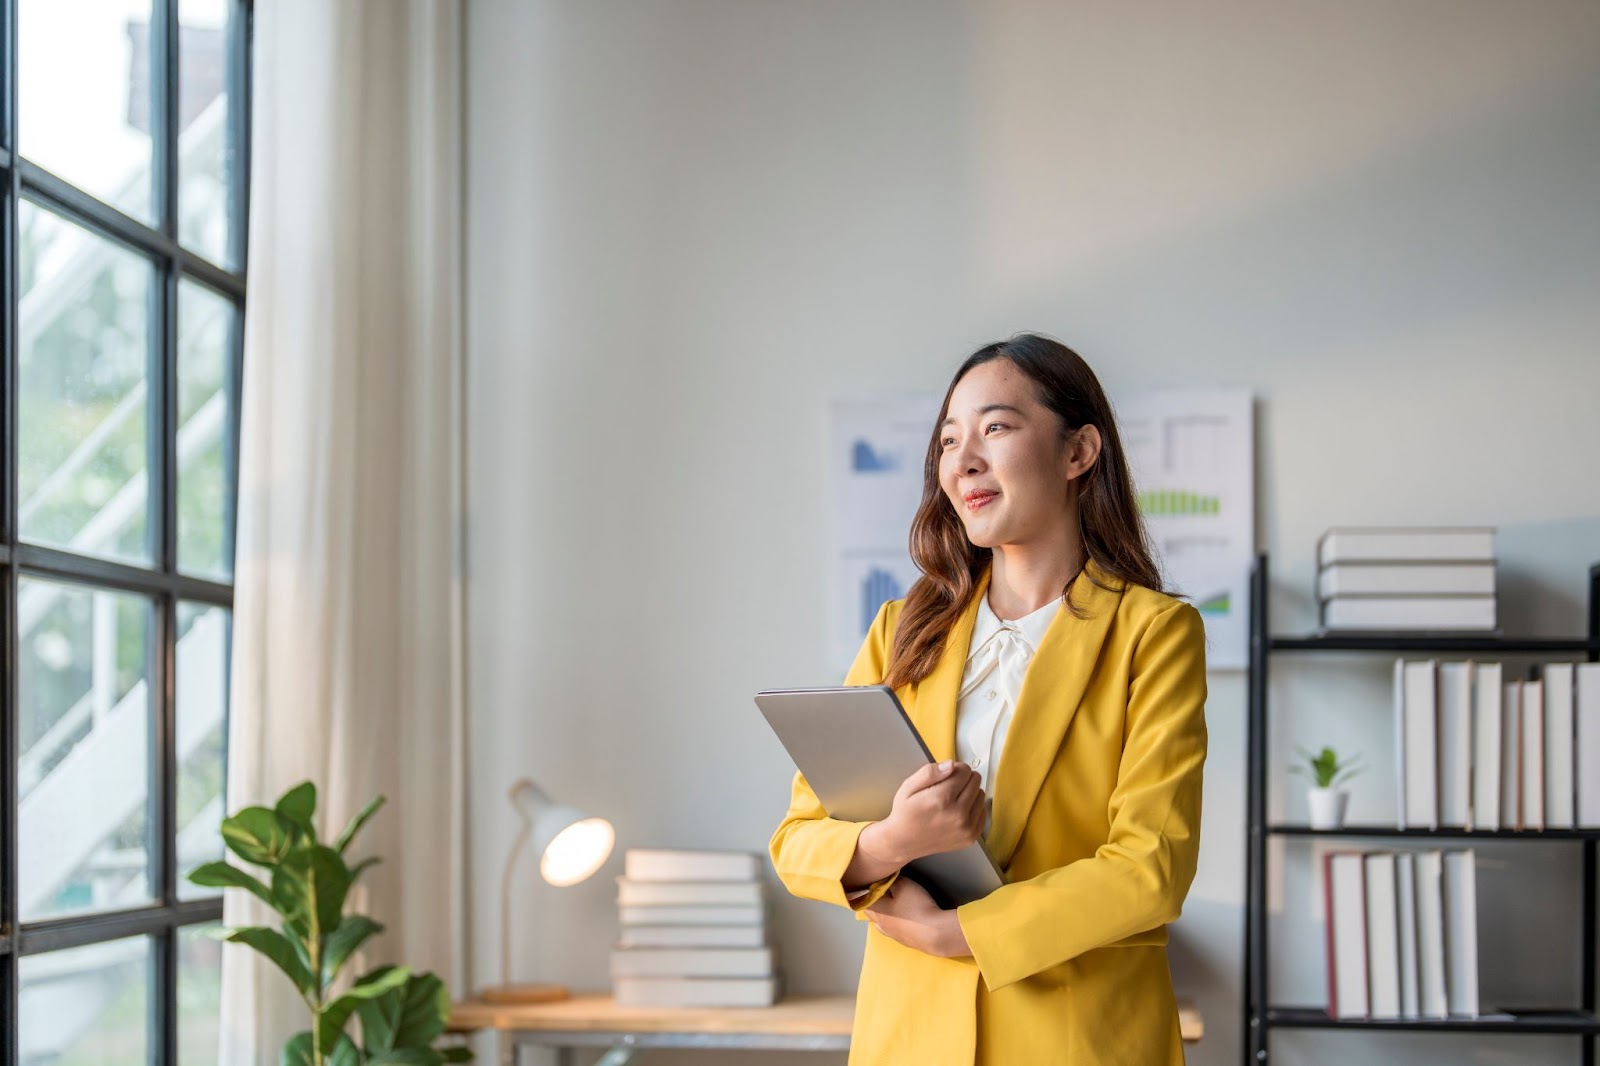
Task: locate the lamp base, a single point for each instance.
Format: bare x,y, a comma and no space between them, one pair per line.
509,994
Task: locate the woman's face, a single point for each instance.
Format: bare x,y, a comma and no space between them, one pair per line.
1003,463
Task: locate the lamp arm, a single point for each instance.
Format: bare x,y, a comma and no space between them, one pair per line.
505,902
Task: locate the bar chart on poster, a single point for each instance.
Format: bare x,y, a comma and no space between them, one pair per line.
1192,453
876,451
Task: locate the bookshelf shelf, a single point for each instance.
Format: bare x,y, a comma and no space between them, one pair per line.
1577,1022
1260,1016
1446,643
1442,833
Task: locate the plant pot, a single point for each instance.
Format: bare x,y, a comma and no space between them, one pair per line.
1327,807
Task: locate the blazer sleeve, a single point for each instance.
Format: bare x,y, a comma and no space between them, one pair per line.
1136,880
811,851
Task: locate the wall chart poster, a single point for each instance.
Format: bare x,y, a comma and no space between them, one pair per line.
1192,452
876,451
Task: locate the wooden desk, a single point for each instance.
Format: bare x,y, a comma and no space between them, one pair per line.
799,1023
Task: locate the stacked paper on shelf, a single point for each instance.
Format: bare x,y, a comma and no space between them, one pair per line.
693,931
1407,579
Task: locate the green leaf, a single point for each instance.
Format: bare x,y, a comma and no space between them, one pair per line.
289,895
297,1052
411,1016
370,987
458,1053
312,884
298,805
356,823
408,1056
258,836
275,946
350,935
361,867
344,1052
223,875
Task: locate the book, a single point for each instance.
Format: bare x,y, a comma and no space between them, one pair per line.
1560,789
1419,782
1400,743
1405,544
686,893
661,864
1486,734
1402,579
1511,756
1383,936
695,991
1432,995
692,936
691,962
1587,705
1426,613
728,914
1344,891
1455,743
1461,932
1405,870
1532,754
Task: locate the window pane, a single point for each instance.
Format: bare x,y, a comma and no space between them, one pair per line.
83,416
86,1006
202,694
207,154
84,755
205,327
199,995
83,96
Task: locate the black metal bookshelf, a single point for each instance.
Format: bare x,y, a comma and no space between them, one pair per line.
1261,1015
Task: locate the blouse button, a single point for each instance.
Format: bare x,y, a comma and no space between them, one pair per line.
991,694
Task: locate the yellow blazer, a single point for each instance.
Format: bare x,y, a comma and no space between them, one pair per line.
1096,825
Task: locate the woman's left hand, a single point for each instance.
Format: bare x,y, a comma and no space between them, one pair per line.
908,915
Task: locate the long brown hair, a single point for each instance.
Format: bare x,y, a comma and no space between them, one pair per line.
1113,531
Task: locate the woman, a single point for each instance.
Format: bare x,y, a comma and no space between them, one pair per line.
1035,565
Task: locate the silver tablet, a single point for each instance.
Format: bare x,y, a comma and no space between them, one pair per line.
856,746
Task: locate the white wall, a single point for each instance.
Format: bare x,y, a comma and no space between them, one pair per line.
692,224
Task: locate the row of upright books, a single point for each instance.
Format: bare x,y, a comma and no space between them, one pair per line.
1407,578
1476,751
1402,934
693,931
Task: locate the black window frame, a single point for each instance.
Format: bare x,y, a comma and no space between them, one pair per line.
160,582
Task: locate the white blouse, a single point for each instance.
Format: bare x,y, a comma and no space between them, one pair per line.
997,662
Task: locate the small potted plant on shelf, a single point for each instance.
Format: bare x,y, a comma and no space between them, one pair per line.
1327,772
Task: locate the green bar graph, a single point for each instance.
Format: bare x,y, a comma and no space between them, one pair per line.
1165,503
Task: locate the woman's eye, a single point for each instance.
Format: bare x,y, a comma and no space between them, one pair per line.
947,442
991,425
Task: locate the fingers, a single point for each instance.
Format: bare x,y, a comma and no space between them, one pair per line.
932,774
973,786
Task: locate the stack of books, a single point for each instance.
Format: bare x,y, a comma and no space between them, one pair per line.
1419,578
1402,933
694,931
1476,751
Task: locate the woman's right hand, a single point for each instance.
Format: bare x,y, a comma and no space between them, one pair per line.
939,808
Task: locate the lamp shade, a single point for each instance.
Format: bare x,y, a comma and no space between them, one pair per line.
571,844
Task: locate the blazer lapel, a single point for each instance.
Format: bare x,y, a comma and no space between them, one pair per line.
1051,692
935,713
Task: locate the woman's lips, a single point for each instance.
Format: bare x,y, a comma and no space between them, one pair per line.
980,500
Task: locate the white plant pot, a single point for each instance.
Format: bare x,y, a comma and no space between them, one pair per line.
1327,807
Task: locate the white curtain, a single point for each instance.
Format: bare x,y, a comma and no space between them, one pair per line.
347,639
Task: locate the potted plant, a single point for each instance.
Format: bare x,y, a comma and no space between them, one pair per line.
1327,772
401,1013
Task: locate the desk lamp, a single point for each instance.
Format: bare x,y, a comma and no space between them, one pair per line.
571,846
